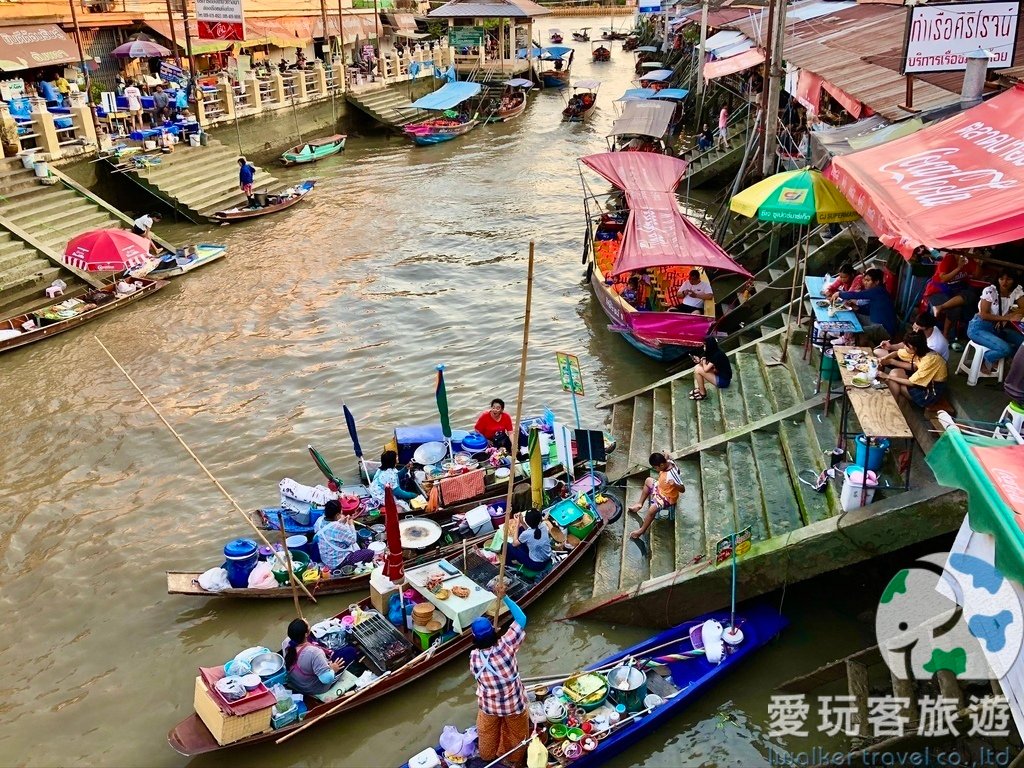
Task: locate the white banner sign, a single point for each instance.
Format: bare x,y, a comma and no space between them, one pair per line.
939,37
220,19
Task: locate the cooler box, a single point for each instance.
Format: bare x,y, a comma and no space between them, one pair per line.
565,513
408,439
225,728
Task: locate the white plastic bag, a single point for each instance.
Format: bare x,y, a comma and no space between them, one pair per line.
215,580
262,577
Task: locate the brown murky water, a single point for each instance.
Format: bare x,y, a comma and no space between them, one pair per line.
403,258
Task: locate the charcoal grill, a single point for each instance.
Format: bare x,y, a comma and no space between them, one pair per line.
481,571
384,646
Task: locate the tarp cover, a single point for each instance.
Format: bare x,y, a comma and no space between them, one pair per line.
991,472
668,327
733,64
657,234
636,94
556,52
519,82
448,95
955,184
590,85
670,94
657,76
644,118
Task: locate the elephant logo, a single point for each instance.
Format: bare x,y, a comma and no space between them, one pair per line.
949,611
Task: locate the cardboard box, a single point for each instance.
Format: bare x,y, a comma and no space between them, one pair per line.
381,590
228,728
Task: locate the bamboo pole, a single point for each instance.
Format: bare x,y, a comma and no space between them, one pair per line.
515,434
202,466
338,703
288,562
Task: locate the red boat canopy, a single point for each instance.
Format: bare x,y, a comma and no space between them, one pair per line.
657,234
956,184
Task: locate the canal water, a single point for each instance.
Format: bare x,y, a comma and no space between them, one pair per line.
403,258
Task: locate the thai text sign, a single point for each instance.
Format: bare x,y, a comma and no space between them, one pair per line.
220,19
572,376
465,37
939,37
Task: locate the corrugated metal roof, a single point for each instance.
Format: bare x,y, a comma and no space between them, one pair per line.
489,9
755,24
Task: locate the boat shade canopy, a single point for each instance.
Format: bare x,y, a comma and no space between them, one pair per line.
35,45
646,49
636,94
657,76
590,85
653,65
522,53
991,472
644,118
447,96
657,234
519,82
556,52
722,40
670,94
953,185
733,64
668,327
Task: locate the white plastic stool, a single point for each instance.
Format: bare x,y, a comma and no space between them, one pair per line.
973,368
53,291
1012,414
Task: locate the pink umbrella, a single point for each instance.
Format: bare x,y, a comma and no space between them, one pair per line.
140,49
107,250
394,567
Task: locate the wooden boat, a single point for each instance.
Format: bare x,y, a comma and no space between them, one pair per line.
70,312
556,36
560,57
613,34
676,678
266,204
582,102
311,151
191,737
601,53
513,101
439,129
174,266
582,35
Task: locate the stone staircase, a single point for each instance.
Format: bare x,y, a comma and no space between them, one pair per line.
389,106
36,223
740,453
198,181
710,164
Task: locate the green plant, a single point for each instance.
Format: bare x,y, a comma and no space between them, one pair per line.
95,92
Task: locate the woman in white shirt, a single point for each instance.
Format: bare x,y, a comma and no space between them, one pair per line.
1001,305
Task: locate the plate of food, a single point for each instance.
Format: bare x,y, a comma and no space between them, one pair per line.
823,303
860,381
861,367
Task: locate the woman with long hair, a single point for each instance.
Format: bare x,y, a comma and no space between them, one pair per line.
530,545
1001,305
309,669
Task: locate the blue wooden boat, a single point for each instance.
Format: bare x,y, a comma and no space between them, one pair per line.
447,122
677,675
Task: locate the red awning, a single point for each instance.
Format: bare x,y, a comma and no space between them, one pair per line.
808,91
657,234
956,184
847,101
730,66
35,45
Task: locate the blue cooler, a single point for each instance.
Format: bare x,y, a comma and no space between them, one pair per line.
241,556
474,442
458,438
408,439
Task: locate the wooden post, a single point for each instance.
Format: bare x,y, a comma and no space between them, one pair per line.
288,561
910,91
174,35
515,433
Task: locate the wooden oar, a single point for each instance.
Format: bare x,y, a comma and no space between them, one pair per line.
515,437
291,567
342,700
202,466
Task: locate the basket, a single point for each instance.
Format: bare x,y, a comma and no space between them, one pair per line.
227,729
582,527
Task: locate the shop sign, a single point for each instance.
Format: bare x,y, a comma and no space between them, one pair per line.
465,37
220,19
940,37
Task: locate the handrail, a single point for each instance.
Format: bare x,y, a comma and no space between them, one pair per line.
45,250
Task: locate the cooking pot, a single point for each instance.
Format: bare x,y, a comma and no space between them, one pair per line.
267,664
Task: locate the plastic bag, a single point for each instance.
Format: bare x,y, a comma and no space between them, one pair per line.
536,754
453,742
215,580
262,577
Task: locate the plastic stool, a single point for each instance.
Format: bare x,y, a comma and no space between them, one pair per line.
53,291
973,368
1012,414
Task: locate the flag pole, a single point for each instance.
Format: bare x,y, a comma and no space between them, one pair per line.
579,428
515,434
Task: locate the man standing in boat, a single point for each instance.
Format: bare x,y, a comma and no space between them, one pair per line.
502,721
246,176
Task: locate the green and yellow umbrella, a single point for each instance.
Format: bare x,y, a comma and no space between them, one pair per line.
795,197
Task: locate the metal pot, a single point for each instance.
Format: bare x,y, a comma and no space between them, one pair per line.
267,664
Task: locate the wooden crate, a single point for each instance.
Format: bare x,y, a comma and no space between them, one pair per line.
228,728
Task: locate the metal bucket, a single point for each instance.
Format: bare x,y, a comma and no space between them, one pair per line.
628,687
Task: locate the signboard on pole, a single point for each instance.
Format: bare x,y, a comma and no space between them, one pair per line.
940,36
172,74
220,19
569,370
646,6
723,549
465,37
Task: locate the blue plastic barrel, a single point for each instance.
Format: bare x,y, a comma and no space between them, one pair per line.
871,456
474,442
240,557
297,542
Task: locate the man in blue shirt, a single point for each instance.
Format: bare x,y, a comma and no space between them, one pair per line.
879,316
246,176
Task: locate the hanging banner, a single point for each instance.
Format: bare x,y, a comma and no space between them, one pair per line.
939,37
220,19
724,547
172,74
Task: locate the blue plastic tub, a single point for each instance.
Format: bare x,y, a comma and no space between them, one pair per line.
474,442
240,557
871,456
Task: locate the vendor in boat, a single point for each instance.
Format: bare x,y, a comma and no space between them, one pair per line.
693,293
310,671
143,227
530,543
390,474
503,720
336,539
246,177
496,425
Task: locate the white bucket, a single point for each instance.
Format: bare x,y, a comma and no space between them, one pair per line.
42,170
27,160
149,144
857,492
194,139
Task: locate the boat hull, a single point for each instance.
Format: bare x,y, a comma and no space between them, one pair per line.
555,79
503,116
425,134
321,149
205,254
52,329
241,214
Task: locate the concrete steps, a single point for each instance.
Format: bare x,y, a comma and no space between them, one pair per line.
705,166
389,106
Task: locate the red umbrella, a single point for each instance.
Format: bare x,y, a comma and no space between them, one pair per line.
107,250
394,568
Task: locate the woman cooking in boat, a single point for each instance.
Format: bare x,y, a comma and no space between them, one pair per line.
389,474
530,545
496,425
310,670
336,539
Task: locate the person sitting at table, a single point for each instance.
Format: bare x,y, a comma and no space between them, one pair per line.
927,384
336,539
896,353
390,474
878,318
693,293
949,290
530,545
848,279
161,105
310,669
1001,305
